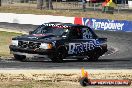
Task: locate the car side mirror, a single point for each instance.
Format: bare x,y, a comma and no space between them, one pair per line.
30,32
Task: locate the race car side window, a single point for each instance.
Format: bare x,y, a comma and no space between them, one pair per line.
87,34
75,33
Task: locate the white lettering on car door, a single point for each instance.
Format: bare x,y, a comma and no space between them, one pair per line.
76,48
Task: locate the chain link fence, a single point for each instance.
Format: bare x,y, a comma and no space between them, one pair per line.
62,4
57,4
19,3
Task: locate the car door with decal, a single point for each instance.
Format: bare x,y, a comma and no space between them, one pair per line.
75,37
81,41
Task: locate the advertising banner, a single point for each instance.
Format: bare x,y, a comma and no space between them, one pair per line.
105,24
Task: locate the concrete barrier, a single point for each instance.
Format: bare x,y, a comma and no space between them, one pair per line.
33,19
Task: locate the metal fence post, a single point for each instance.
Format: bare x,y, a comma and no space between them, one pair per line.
84,5
94,6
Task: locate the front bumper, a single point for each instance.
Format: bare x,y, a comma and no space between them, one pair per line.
29,55
31,52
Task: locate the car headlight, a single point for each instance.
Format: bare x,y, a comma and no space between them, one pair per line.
45,46
14,42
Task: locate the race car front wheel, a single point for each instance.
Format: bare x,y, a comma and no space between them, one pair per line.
58,60
20,57
60,55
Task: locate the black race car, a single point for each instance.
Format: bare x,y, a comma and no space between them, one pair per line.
58,41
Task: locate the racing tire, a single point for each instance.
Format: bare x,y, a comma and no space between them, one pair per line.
58,60
80,59
84,81
93,58
61,53
20,57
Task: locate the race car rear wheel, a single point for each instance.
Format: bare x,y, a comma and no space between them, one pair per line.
94,55
93,58
20,57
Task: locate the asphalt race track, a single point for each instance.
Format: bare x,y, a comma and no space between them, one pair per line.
121,59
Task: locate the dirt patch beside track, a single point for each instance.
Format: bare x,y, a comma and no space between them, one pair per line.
64,76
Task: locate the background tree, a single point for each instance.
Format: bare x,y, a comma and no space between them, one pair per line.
24,1
0,2
49,4
39,4
44,4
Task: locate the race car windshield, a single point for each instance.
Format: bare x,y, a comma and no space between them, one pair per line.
58,31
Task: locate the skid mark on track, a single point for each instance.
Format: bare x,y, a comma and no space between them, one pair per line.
111,50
